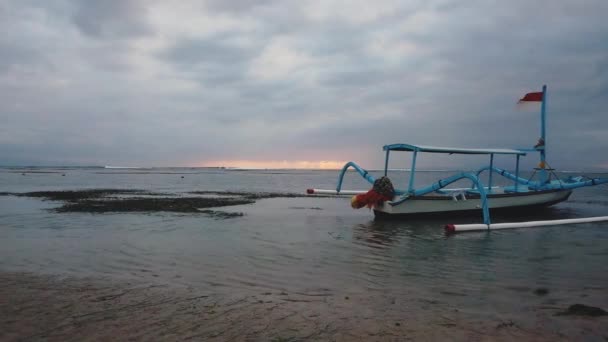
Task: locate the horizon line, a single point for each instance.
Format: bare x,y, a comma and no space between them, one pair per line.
236,168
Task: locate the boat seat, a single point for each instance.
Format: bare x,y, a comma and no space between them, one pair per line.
442,192
476,192
520,188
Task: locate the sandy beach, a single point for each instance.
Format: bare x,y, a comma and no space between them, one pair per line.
37,307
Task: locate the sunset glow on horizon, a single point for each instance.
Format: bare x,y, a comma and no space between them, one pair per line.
276,164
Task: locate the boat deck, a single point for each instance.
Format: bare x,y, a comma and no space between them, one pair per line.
468,193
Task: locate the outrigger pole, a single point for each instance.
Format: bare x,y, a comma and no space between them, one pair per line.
455,228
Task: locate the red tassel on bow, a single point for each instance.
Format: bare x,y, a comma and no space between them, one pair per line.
382,191
368,199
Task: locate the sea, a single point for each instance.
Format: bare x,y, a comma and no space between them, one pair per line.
303,244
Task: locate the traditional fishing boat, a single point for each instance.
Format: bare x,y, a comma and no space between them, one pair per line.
544,188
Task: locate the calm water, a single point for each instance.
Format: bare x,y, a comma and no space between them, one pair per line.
300,244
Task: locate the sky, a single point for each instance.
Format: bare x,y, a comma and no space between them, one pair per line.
306,84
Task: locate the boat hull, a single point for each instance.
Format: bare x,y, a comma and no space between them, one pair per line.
431,205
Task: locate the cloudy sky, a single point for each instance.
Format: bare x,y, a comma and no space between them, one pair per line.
265,83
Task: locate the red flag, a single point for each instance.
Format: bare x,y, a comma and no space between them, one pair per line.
532,97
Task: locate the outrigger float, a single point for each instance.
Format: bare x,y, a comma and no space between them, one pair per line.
543,190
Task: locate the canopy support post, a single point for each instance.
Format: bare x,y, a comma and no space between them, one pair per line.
386,163
516,171
490,176
412,173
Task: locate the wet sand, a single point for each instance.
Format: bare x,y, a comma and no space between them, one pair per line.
41,307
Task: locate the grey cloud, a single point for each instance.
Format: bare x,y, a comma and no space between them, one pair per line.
237,6
210,61
14,55
458,87
335,38
111,18
211,50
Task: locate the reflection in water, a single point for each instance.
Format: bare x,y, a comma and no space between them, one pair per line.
375,234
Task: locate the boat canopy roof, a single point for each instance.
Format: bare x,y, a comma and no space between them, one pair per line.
451,150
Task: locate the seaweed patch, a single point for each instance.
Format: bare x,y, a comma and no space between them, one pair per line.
182,205
136,200
582,310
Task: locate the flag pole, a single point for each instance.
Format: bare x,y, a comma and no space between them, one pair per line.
543,150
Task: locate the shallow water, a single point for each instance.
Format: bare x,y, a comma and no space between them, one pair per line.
306,245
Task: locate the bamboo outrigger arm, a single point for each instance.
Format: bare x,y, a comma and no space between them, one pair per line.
447,181
359,169
506,174
572,183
